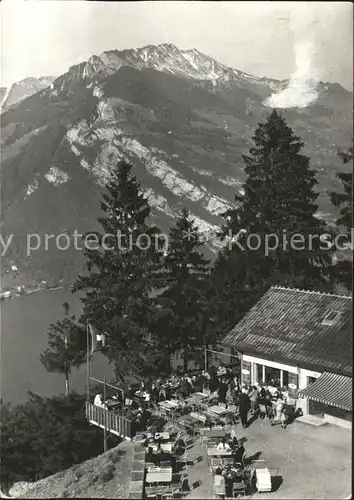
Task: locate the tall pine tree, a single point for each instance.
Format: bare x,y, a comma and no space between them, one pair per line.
123,270
344,201
184,324
279,199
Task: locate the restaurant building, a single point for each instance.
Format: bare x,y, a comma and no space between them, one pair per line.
303,340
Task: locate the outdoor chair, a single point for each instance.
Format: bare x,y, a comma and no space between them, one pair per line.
191,427
239,489
204,406
184,485
151,467
150,492
167,492
163,412
183,459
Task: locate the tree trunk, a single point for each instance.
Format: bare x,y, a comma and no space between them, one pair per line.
185,361
67,389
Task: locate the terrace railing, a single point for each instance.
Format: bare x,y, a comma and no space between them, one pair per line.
113,423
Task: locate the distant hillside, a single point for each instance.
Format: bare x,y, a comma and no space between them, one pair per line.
107,476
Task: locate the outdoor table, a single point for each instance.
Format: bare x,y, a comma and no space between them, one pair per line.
214,433
219,485
112,404
218,410
214,452
159,476
198,397
168,405
164,446
165,436
172,403
260,472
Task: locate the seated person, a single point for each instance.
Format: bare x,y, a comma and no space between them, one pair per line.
151,456
98,401
238,473
128,414
179,447
163,456
239,453
221,370
223,445
184,483
234,443
118,396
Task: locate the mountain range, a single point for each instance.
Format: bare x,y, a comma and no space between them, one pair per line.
181,117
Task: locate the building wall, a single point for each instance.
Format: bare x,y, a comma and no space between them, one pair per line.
303,374
254,369
250,372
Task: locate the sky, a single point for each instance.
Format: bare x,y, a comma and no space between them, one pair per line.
46,37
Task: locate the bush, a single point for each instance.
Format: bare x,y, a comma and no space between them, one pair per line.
45,436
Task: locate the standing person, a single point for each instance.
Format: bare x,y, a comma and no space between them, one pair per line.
206,379
146,402
253,399
222,391
229,481
162,394
284,418
244,406
262,392
154,393
236,383
279,405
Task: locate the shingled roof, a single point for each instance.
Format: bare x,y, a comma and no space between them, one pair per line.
309,329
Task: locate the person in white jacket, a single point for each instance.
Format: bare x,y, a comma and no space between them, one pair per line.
98,401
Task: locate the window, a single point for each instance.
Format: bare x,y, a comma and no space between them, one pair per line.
246,372
331,318
272,376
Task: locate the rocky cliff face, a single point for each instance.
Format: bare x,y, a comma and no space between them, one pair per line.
182,118
23,89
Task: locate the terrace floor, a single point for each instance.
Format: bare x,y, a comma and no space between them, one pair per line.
304,462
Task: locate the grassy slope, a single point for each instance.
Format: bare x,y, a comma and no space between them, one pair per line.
106,476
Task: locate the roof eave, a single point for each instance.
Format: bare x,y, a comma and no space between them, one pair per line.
301,364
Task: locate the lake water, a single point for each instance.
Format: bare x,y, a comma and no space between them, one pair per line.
24,327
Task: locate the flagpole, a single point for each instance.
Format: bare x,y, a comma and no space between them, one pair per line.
104,429
87,363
